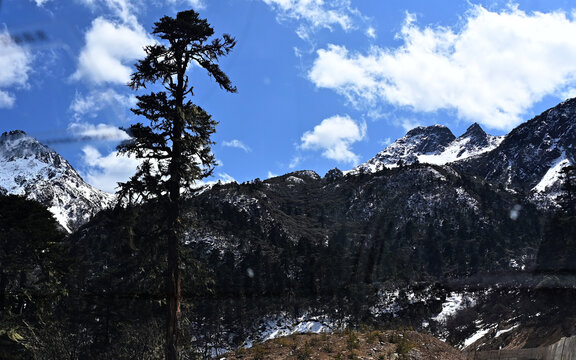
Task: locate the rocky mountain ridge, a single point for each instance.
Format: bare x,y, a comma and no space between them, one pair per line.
434,144
530,157
527,160
37,172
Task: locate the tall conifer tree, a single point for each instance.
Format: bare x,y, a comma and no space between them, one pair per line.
175,146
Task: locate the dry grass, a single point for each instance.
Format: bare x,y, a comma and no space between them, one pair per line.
374,344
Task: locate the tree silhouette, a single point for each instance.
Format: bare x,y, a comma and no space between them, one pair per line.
567,199
175,146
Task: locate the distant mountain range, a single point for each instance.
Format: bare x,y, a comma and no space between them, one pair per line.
527,160
431,208
34,170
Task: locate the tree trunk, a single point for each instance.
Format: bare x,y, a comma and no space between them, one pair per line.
173,285
3,284
174,169
173,280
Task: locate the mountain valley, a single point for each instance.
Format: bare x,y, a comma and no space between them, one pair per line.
470,239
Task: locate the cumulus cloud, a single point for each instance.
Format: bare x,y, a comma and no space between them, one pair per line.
97,100
334,137
236,144
110,50
15,65
315,14
490,70
105,171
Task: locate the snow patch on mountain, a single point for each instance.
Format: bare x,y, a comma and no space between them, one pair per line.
284,325
553,176
454,302
459,149
477,336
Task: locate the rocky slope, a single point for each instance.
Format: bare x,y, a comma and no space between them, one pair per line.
531,156
34,170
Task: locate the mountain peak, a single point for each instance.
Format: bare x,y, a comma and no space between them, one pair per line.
406,150
16,144
428,139
34,170
424,128
13,133
474,138
474,130
434,144
431,129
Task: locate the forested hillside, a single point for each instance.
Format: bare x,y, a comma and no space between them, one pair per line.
435,248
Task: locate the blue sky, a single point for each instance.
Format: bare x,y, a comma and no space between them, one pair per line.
321,84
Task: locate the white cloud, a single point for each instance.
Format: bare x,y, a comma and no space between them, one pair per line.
195,4
226,178
222,178
236,144
122,9
40,2
407,123
15,66
334,136
296,160
371,32
105,171
97,100
6,100
491,70
569,93
98,132
271,174
386,142
316,14
110,50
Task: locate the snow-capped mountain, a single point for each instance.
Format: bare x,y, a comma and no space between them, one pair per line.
473,142
32,169
528,160
530,157
431,145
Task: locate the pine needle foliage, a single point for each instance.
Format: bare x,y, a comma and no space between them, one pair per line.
175,146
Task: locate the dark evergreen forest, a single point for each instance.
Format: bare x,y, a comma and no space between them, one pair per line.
276,246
